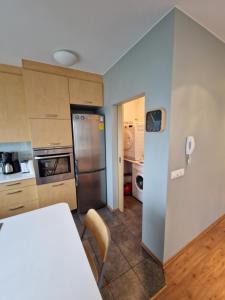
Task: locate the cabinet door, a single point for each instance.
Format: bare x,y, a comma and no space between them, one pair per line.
58,192
17,184
13,119
50,133
16,201
85,92
47,95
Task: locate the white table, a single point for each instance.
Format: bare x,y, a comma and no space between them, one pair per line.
42,258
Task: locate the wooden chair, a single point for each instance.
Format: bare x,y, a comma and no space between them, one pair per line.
95,224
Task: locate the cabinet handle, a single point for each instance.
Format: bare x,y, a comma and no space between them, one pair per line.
57,184
89,102
17,207
11,184
51,115
16,192
54,144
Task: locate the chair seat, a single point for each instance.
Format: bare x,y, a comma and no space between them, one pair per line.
91,261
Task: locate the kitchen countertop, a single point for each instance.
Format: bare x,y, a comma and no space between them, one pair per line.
42,257
18,176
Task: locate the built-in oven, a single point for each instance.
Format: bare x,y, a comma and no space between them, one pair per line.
52,165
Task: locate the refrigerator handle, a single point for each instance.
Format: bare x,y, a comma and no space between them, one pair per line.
76,172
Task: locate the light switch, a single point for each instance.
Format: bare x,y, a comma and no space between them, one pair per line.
177,173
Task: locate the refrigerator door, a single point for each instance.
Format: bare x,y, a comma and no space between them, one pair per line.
91,191
89,142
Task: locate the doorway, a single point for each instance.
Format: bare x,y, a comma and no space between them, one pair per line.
131,119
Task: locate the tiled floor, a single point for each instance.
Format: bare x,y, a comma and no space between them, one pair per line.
130,272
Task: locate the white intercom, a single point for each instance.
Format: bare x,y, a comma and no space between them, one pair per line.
190,147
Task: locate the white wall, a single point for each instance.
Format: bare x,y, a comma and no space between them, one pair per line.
198,108
134,111
146,68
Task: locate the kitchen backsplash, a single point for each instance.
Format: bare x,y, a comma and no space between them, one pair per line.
24,149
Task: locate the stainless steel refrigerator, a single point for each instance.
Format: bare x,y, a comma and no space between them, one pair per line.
90,170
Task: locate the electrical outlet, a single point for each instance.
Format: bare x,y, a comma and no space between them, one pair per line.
177,173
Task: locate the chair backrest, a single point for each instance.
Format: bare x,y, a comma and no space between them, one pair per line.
100,231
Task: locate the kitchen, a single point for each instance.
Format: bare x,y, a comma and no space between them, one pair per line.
94,203
29,113
53,152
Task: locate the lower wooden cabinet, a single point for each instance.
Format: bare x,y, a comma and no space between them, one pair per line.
58,192
18,200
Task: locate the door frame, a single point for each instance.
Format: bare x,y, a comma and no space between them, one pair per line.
120,146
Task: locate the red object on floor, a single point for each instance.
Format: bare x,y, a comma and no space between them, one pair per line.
127,189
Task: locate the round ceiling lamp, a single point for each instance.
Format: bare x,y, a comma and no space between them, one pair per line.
65,57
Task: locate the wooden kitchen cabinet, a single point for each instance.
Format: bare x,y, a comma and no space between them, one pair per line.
47,133
47,95
13,118
57,192
17,184
18,200
85,92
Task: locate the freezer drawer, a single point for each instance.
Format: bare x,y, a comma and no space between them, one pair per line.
91,191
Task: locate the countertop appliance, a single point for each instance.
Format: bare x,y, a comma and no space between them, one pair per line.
53,164
24,164
90,170
10,163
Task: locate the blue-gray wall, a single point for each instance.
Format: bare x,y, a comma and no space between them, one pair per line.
198,108
146,68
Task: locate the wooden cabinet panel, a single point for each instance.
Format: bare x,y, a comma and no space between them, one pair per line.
16,201
50,133
17,184
47,95
85,92
52,193
13,119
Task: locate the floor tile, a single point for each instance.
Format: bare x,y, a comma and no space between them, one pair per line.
110,218
106,293
151,276
133,251
116,264
128,287
78,223
121,233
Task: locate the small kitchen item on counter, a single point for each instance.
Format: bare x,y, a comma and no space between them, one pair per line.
24,164
7,166
10,163
16,166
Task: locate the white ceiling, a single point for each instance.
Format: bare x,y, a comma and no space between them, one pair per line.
100,31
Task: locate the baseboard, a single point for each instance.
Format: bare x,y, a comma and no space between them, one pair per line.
112,209
185,248
159,292
152,254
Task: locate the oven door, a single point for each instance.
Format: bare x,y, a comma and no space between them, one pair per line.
52,165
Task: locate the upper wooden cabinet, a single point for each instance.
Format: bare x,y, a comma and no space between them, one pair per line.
85,92
47,95
13,118
47,133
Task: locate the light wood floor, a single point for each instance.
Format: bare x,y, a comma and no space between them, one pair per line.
199,273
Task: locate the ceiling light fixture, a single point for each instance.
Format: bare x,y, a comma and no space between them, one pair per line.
65,57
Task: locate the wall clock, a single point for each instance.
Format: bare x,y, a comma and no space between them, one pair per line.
156,120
